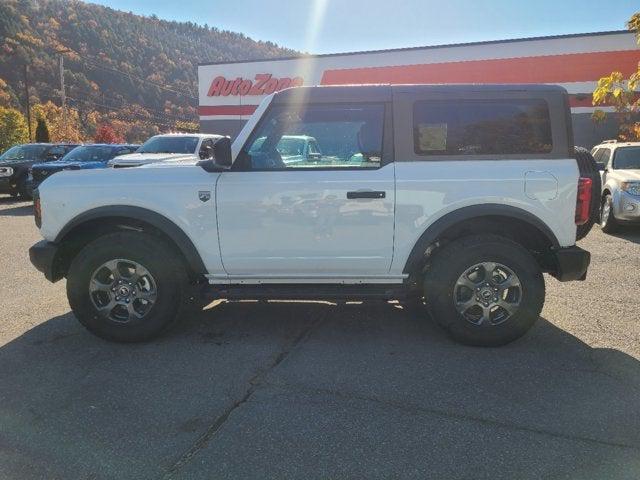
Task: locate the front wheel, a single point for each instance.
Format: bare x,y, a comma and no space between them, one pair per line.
607,220
484,290
126,286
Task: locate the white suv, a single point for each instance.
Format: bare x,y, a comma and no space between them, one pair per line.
457,197
620,165
170,147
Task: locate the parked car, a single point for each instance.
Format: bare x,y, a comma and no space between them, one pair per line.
83,157
300,149
15,164
465,195
620,165
175,147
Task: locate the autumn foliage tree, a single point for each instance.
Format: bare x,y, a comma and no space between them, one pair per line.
13,128
621,92
106,134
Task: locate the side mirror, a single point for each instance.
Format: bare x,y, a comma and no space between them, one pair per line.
601,166
221,160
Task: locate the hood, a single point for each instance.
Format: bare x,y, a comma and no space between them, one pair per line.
18,163
628,175
61,165
143,158
173,162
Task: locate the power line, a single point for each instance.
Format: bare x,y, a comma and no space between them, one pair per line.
149,110
95,64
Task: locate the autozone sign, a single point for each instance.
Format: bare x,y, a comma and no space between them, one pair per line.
262,84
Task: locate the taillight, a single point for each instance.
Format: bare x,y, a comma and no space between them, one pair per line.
583,202
37,211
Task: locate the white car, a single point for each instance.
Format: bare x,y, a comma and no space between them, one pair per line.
175,147
456,196
620,169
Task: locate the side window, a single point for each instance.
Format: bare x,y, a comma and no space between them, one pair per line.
481,127
605,156
338,136
206,149
57,152
596,152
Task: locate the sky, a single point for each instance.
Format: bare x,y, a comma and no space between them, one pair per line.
331,26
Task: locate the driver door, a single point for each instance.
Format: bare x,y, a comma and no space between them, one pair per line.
330,216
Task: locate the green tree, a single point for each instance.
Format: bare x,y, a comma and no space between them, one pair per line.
620,92
42,131
13,128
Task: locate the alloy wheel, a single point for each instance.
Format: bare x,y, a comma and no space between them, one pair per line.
488,293
122,290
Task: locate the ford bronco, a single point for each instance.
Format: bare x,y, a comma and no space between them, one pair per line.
455,199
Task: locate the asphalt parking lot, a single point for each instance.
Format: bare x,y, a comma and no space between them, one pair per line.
320,391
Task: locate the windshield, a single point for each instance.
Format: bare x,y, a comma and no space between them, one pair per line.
90,153
169,145
627,158
22,152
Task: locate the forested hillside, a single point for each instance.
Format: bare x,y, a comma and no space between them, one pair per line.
136,73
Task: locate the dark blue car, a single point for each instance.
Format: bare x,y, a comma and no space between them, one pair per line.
84,157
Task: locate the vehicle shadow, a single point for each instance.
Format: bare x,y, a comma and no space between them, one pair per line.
18,211
74,406
630,233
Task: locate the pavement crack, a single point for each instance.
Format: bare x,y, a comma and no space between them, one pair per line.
417,409
254,382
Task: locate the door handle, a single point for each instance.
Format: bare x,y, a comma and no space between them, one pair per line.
366,194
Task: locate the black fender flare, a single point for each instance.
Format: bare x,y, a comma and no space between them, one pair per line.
144,215
433,231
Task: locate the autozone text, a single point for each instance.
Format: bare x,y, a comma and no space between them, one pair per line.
263,84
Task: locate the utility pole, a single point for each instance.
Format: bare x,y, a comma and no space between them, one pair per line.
26,95
63,95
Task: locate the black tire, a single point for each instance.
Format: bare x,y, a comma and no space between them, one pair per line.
456,258
589,168
23,191
157,257
608,222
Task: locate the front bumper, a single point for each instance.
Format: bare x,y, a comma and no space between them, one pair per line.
571,263
627,207
7,185
43,257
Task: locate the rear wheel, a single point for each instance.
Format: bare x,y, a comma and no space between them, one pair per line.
607,220
484,290
126,286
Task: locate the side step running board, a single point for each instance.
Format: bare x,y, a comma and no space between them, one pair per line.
307,292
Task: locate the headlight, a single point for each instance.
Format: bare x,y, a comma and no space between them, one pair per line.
6,171
631,187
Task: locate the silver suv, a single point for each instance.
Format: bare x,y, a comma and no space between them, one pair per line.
620,169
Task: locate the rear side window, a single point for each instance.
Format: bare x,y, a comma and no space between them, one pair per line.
482,127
